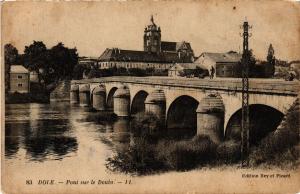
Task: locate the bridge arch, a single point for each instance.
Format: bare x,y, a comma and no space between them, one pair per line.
110,100
182,113
74,94
138,102
98,97
263,120
84,94
233,103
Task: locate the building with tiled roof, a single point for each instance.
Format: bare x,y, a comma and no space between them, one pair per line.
225,64
116,54
157,54
18,69
19,79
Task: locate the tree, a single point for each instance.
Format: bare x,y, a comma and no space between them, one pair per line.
11,54
78,71
251,65
270,68
63,60
10,57
36,57
50,64
271,52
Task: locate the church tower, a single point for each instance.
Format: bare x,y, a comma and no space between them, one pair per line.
152,37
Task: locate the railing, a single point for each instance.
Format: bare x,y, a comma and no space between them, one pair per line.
228,84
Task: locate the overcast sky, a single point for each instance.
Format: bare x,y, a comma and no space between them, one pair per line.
210,26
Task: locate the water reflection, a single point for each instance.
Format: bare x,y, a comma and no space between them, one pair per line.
11,142
42,130
121,136
45,132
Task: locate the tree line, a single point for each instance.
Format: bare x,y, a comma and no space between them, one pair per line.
92,71
50,64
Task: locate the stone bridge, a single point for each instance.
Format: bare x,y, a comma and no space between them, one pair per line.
208,105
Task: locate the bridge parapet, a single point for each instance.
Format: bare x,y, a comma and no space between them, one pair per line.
269,86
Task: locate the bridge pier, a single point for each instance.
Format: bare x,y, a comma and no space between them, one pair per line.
121,101
84,95
99,97
155,103
74,94
210,117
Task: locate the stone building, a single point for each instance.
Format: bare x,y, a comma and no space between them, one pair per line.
157,54
87,61
19,79
225,64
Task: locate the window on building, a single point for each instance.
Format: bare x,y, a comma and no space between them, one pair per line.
20,77
20,85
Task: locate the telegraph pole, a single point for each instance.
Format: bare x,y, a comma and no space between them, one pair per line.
245,96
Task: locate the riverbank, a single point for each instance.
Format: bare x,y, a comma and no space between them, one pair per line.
37,94
18,98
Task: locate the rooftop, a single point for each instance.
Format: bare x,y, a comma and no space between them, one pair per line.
116,54
228,57
18,69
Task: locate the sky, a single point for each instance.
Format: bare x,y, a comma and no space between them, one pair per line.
210,26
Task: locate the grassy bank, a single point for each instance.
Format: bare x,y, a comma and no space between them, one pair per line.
15,98
151,152
280,147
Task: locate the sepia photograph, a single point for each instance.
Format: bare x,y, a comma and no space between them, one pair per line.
150,96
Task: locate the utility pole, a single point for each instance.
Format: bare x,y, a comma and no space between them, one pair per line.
245,96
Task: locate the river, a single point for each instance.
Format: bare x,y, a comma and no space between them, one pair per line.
69,144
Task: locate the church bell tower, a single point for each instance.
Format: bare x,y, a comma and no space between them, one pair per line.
152,37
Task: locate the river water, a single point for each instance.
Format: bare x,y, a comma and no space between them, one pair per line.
41,133
69,144
61,141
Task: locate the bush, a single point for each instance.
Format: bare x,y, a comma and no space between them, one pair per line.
143,157
146,123
229,152
186,154
277,143
274,144
138,159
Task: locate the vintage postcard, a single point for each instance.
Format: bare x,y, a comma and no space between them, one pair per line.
150,97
